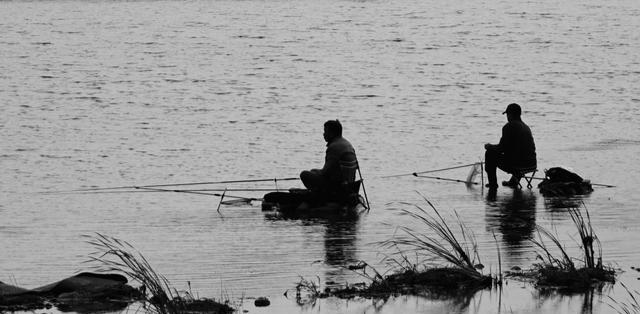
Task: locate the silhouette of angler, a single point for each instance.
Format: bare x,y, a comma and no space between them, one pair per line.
516,149
328,180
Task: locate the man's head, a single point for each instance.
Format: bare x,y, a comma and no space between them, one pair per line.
513,111
332,129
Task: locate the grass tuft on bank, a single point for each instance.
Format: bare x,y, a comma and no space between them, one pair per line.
159,296
445,262
558,269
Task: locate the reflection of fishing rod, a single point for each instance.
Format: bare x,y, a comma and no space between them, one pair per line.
445,179
222,196
197,192
596,184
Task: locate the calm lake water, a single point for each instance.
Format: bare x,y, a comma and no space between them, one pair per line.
111,93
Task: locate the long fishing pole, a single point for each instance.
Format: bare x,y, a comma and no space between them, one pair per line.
176,184
154,190
144,189
102,192
228,190
445,179
429,171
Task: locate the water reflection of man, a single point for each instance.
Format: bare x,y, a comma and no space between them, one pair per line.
339,242
514,216
340,249
328,179
516,149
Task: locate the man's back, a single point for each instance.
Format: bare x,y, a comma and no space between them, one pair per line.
339,149
517,144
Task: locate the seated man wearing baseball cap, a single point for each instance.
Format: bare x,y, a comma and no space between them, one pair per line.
516,149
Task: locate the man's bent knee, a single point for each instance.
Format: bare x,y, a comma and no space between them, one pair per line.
306,175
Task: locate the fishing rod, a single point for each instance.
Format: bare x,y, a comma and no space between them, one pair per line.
415,174
145,189
175,184
100,192
155,190
445,179
228,190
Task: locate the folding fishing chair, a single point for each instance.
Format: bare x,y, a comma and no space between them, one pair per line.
522,173
351,186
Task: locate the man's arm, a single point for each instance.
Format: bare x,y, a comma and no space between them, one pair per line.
506,140
488,146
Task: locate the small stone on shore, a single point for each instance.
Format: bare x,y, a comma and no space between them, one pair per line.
262,301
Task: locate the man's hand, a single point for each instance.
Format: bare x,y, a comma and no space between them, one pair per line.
487,146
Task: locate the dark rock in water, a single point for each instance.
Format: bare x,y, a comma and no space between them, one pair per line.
9,290
97,291
14,298
87,283
262,301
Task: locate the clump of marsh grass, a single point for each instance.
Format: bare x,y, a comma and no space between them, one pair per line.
158,295
444,258
445,245
446,262
561,270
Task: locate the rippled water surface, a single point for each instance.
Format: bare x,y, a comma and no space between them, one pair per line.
110,93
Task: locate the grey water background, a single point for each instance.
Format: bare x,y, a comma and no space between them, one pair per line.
110,93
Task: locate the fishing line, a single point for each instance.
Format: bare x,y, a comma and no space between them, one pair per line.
445,179
429,171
